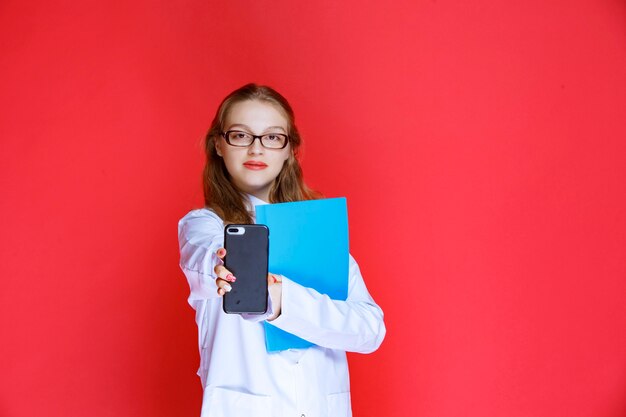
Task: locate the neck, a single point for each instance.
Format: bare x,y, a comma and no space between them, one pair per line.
262,195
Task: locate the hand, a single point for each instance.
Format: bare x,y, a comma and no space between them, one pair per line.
225,277
275,288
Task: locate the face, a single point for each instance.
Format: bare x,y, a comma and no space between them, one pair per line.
253,169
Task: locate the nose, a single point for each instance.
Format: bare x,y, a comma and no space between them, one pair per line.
255,147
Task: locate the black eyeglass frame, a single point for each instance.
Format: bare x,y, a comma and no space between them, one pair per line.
255,137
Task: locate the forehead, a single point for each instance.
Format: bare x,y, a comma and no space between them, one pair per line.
255,114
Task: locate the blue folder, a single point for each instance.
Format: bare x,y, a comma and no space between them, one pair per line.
309,245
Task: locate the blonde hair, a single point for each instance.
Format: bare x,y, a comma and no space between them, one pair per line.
220,194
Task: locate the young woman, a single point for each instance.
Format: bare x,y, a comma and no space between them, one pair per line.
251,151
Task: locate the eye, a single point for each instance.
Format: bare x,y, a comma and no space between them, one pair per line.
272,138
238,136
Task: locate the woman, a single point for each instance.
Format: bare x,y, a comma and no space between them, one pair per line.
251,151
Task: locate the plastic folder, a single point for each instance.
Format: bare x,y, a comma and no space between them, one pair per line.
309,245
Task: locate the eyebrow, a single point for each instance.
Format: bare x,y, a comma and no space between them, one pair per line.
236,125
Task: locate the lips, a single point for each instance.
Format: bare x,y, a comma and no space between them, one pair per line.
255,165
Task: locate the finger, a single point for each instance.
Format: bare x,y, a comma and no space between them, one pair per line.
222,286
221,253
273,279
224,273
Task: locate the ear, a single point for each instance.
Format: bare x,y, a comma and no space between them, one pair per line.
218,147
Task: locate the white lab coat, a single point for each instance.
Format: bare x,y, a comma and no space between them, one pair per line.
240,378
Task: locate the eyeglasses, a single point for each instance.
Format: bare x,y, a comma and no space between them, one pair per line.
244,139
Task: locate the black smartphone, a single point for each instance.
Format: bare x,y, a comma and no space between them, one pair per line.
247,251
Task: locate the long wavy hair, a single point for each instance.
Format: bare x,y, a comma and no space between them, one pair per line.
220,194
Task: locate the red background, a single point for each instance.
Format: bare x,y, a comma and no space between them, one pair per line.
480,145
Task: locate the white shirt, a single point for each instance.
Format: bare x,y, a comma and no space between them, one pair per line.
239,376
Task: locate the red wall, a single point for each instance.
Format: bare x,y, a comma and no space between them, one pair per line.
480,145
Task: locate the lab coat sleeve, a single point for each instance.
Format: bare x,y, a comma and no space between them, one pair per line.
200,235
354,325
